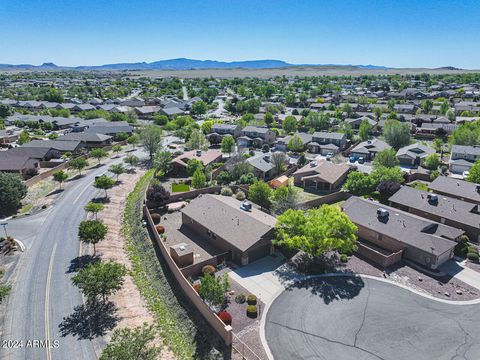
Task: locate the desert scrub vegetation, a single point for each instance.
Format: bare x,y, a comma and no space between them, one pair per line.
181,329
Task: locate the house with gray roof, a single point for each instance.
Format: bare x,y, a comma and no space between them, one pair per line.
462,158
262,166
414,154
91,140
72,146
282,143
456,188
321,175
386,234
325,142
226,129
236,228
440,208
369,148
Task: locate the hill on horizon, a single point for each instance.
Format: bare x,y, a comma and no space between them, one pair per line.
179,64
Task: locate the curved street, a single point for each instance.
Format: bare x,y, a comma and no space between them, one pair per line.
364,319
42,293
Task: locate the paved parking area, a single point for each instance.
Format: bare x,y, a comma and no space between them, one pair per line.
356,318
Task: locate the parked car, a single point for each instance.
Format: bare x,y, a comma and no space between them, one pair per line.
329,155
465,174
361,160
352,159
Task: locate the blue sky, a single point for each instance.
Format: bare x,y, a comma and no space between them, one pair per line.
406,33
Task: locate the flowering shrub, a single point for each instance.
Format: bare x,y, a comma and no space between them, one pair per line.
225,317
208,269
160,229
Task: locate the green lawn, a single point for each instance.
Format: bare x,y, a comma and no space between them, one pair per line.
419,185
180,188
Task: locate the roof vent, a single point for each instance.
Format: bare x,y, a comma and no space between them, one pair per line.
369,141
313,163
432,198
266,158
199,153
246,206
382,213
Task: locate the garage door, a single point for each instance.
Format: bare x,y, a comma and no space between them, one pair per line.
258,253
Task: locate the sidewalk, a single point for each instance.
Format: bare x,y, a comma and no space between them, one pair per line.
458,271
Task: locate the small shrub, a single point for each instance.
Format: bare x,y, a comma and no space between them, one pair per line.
44,206
208,269
226,191
160,229
472,257
240,195
156,218
252,300
461,249
252,311
240,298
343,258
472,249
225,317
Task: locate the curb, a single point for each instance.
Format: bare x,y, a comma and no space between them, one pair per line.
308,277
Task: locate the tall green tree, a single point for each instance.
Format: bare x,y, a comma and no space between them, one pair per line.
358,184
474,173
151,139
12,191
198,179
94,208
284,198
295,143
228,144
261,194
432,162
128,344
92,232
387,158
117,170
133,140
60,176
213,289
99,154
163,162
197,140
364,130
290,124
396,134
78,164
104,183
100,279
316,231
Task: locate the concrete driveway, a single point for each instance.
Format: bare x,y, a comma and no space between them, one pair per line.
359,318
260,277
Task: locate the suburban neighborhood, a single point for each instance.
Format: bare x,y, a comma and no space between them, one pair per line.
255,210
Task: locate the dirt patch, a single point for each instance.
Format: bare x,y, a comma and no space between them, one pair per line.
132,309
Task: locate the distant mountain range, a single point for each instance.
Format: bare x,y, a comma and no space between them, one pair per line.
181,64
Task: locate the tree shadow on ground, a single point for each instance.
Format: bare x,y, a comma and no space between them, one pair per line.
80,262
331,288
76,177
101,200
55,192
90,320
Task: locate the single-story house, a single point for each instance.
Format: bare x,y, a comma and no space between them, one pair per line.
226,129
8,136
321,175
72,146
456,188
386,235
207,157
440,208
414,154
356,122
237,228
369,148
91,140
17,163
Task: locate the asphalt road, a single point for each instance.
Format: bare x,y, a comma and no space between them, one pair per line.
42,294
352,318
